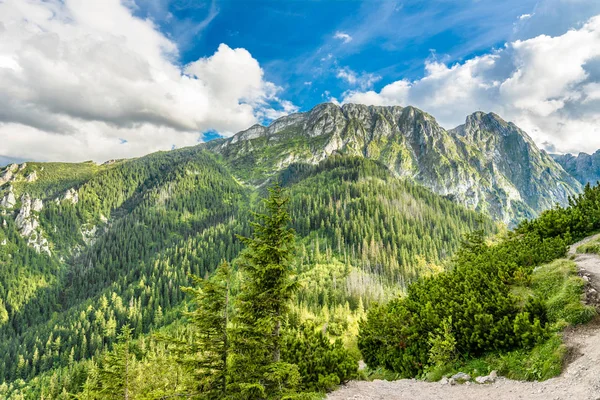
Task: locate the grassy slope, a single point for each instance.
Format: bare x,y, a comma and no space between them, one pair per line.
562,290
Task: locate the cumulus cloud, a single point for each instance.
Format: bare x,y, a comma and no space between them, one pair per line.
79,77
344,37
548,85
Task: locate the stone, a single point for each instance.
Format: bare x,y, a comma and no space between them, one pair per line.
445,381
484,379
8,201
493,374
32,177
461,376
37,205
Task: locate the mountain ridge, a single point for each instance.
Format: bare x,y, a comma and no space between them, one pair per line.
487,164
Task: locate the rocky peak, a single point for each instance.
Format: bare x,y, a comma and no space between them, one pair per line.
487,163
584,167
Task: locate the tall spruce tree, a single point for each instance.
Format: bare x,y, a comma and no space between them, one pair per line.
115,375
206,355
267,287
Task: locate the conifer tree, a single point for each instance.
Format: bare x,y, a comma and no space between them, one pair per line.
206,355
267,288
117,370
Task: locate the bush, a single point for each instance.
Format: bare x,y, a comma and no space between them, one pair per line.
322,364
467,311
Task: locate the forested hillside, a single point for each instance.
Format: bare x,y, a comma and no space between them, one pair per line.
87,250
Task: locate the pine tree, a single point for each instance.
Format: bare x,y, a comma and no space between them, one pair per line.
267,288
206,355
115,376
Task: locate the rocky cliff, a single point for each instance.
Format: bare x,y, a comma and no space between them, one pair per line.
487,164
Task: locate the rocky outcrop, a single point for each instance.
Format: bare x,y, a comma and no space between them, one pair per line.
487,164
584,167
9,200
28,224
6,176
32,177
25,222
71,195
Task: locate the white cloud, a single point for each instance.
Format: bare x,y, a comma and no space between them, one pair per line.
363,81
548,85
77,76
344,37
525,16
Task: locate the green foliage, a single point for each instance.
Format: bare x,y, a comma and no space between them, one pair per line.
322,364
562,292
575,222
156,220
470,310
115,372
204,353
592,247
263,303
442,344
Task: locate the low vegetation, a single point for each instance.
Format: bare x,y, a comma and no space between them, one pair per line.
501,306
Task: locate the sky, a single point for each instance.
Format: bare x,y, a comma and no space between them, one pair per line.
106,79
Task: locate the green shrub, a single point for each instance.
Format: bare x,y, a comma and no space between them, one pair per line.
323,365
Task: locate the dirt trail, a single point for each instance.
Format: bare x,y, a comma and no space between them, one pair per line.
579,381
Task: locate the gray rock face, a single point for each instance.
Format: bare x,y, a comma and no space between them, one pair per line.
6,176
72,196
37,205
584,167
487,164
9,200
32,177
28,223
24,221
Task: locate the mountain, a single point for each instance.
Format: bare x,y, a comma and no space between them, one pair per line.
584,167
379,196
487,164
86,248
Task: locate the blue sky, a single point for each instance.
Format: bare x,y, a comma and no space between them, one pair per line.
295,43
121,78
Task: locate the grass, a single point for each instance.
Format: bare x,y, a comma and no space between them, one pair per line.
592,247
562,290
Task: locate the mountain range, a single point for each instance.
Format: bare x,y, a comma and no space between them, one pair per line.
379,196
486,164
584,167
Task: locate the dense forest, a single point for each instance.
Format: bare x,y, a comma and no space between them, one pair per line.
126,237
169,266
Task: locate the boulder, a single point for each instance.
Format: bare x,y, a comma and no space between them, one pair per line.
461,377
